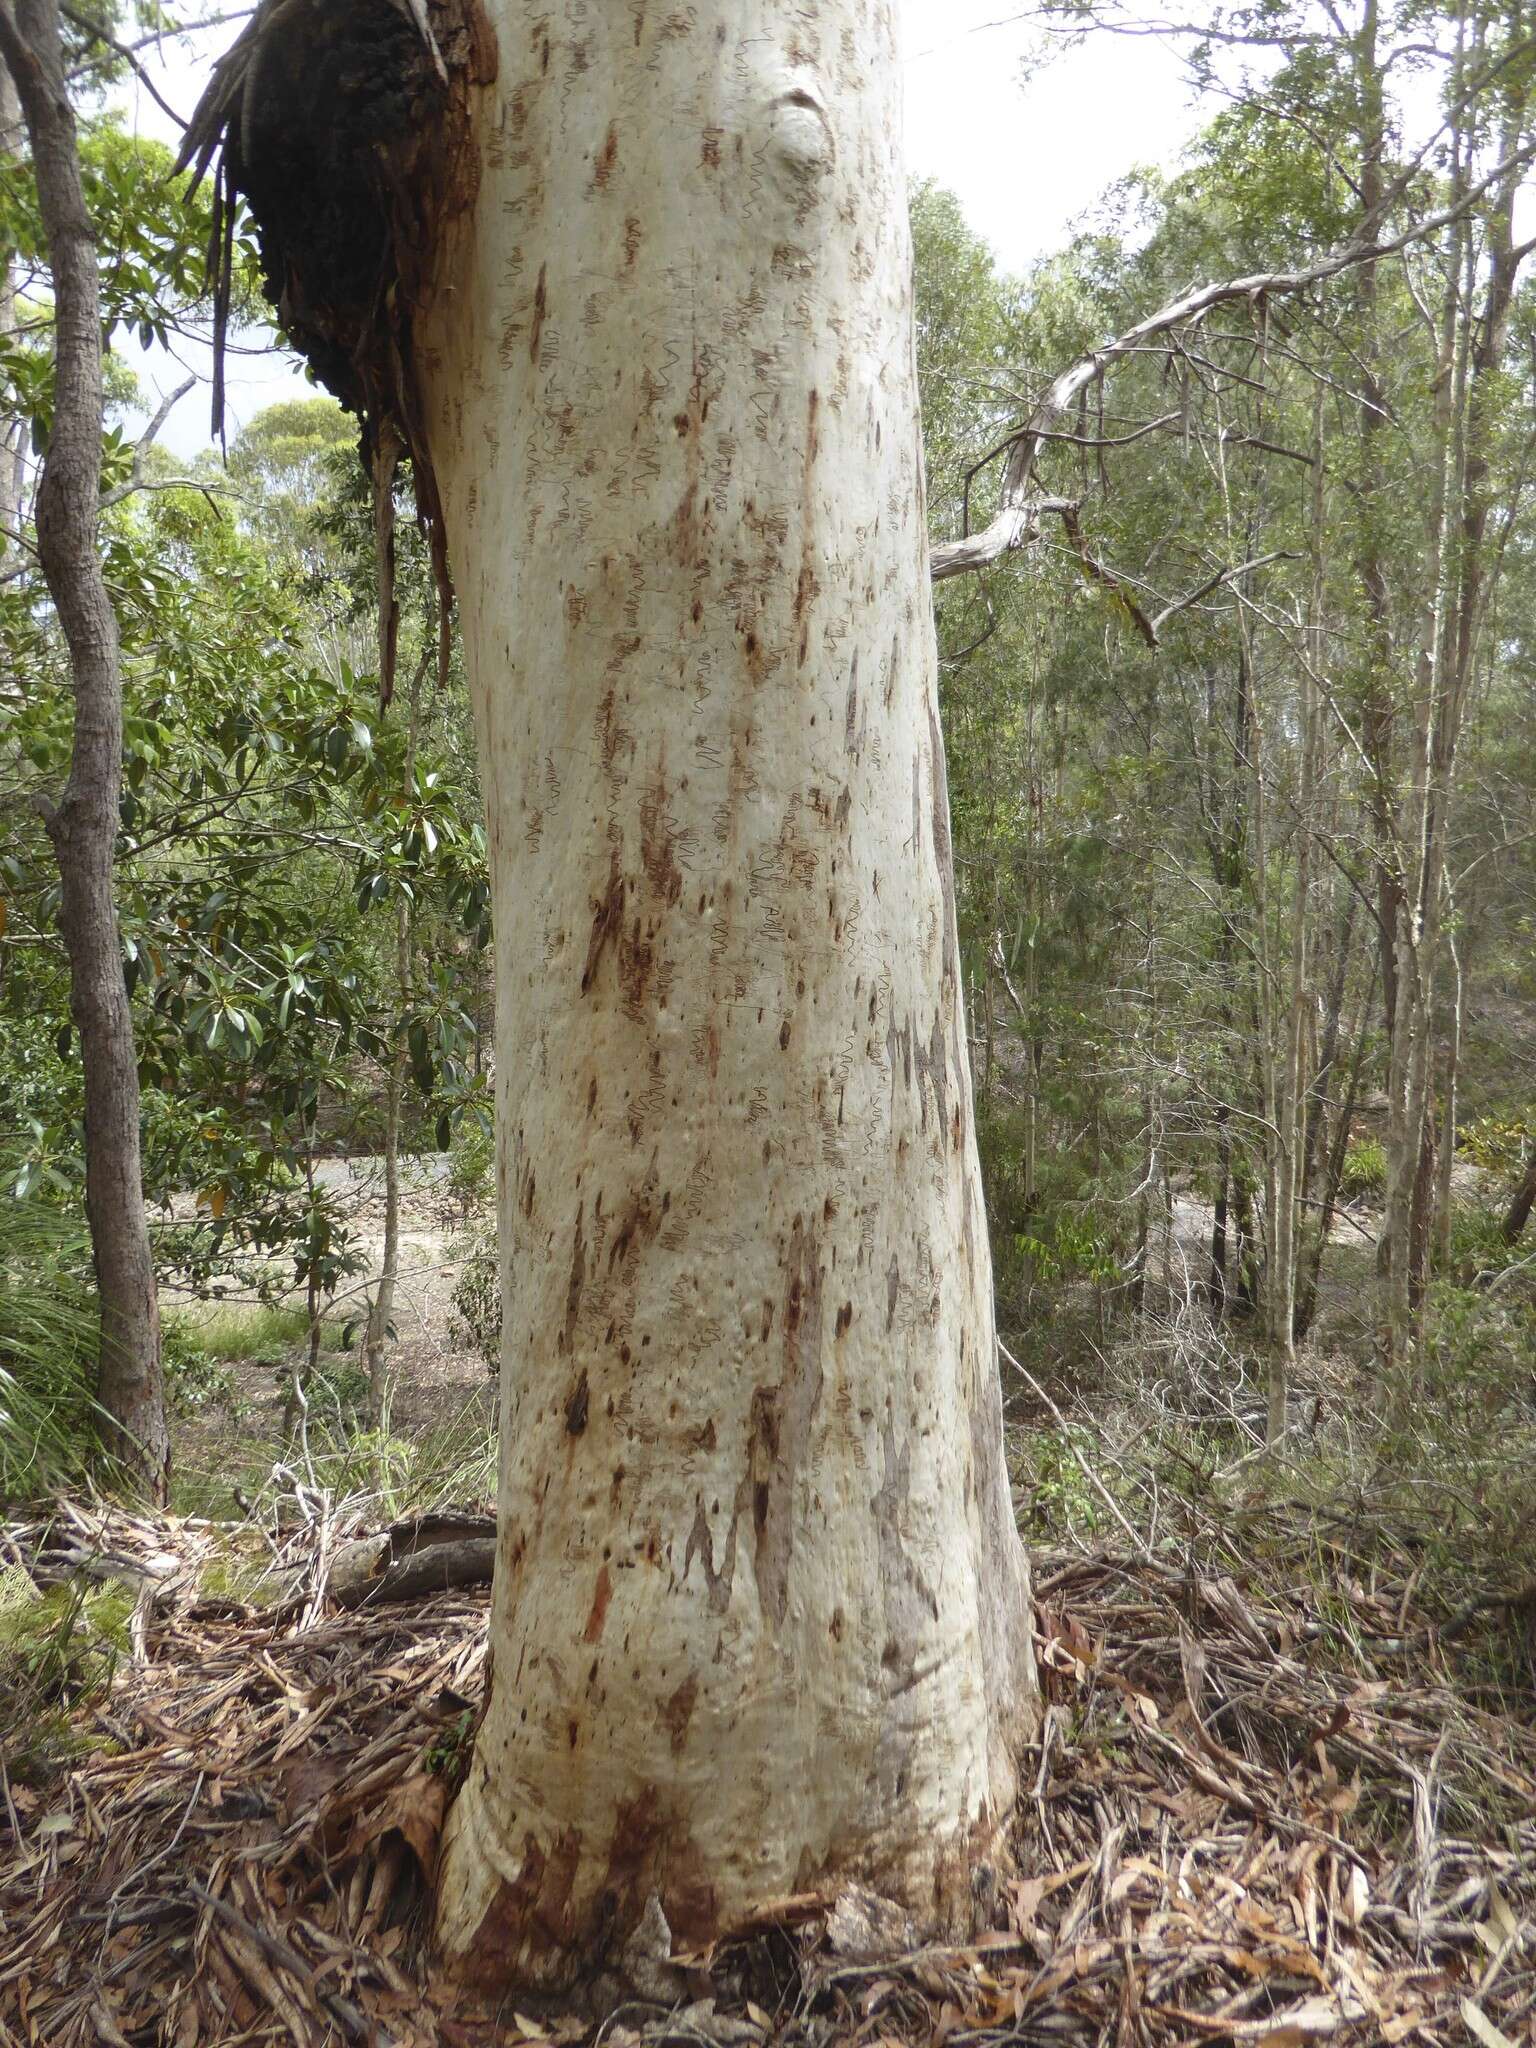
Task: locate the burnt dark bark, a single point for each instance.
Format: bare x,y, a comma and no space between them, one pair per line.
83,824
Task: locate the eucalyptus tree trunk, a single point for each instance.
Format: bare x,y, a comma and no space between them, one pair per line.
760,1622
82,825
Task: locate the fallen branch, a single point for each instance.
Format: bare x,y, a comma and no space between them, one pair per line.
342,2010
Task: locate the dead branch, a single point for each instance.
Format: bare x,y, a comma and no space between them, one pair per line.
1016,522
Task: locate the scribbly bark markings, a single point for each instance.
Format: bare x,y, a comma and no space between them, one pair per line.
750,1473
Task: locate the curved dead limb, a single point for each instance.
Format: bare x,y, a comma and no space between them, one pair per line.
1022,503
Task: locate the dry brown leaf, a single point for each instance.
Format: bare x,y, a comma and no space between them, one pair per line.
1483,2028
414,1810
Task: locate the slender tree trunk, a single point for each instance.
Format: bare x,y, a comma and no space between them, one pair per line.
83,825
382,1308
1328,1054
13,429
1333,1170
1518,1213
1290,1095
1216,1284
1459,580
760,1622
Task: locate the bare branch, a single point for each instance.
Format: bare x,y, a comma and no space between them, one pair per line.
125,52
1215,582
145,442
1015,523
1013,528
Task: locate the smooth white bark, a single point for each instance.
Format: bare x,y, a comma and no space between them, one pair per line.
761,1619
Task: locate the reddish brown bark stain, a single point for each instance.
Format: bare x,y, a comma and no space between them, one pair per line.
709,149
678,1712
535,1909
602,1594
648,1852
540,303
782,1417
652,1852
641,1221
607,922
658,844
607,157
637,963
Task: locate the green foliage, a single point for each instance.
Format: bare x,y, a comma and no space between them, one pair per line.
153,240
48,1336
337,1393
1501,1144
477,1299
1364,1178
452,1747
194,1378
58,1650
262,1334
471,1177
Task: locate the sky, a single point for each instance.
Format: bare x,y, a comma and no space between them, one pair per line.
1024,158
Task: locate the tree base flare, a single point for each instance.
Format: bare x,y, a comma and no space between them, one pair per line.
634,1920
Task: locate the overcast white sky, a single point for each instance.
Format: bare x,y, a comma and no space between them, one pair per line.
1024,160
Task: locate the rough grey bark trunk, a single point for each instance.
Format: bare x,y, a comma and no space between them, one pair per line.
83,824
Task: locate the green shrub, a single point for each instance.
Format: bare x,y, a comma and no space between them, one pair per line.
1498,1143
194,1378
1365,1171
471,1177
339,1391
48,1337
477,1300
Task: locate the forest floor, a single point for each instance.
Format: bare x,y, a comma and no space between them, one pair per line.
1284,1791
1229,1829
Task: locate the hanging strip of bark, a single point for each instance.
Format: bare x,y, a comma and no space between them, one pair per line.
83,825
387,450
